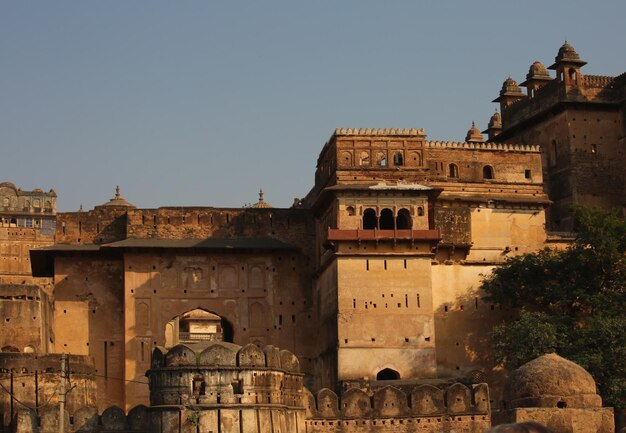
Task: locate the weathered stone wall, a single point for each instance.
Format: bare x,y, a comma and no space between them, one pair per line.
428,408
292,226
264,296
33,381
100,225
89,317
27,319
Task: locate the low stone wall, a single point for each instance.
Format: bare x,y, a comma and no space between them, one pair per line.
424,408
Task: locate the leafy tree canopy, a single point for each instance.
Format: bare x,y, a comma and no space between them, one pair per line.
571,302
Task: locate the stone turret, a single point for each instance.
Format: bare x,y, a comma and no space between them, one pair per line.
567,64
495,125
474,135
509,94
218,386
537,76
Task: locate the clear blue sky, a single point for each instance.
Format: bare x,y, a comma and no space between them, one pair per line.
204,102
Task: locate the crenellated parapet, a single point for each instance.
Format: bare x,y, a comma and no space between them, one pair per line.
424,407
380,131
507,147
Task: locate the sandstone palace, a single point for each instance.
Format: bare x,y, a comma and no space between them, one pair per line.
355,310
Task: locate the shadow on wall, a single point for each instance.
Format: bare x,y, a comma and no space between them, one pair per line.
463,330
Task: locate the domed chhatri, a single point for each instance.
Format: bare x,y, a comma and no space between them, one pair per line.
496,120
510,86
538,71
551,381
474,135
567,54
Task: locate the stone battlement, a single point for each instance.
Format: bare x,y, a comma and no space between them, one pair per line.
380,131
420,401
482,146
455,407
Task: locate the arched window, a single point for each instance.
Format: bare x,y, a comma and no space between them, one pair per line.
364,158
370,221
403,220
388,374
386,219
420,211
487,172
572,75
398,158
381,159
453,170
350,210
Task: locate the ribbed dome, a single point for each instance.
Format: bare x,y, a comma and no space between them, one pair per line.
510,86
537,70
567,52
551,381
474,135
496,120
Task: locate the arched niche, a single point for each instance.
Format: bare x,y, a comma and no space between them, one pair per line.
386,221
370,220
403,220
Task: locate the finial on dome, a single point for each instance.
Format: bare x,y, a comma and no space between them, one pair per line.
80,209
474,135
118,200
261,203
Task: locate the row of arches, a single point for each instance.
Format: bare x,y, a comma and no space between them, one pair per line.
26,204
381,159
386,220
453,171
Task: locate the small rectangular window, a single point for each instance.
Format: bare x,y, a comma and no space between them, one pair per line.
527,174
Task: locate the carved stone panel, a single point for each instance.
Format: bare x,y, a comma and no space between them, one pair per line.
454,224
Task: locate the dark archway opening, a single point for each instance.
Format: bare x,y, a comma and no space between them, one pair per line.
403,220
369,219
386,219
388,374
398,158
453,171
227,331
487,172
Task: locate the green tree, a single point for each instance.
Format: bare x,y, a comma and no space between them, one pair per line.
570,301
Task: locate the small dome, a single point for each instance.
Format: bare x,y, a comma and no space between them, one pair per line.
551,381
474,135
537,70
496,120
8,185
567,52
510,86
118,201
